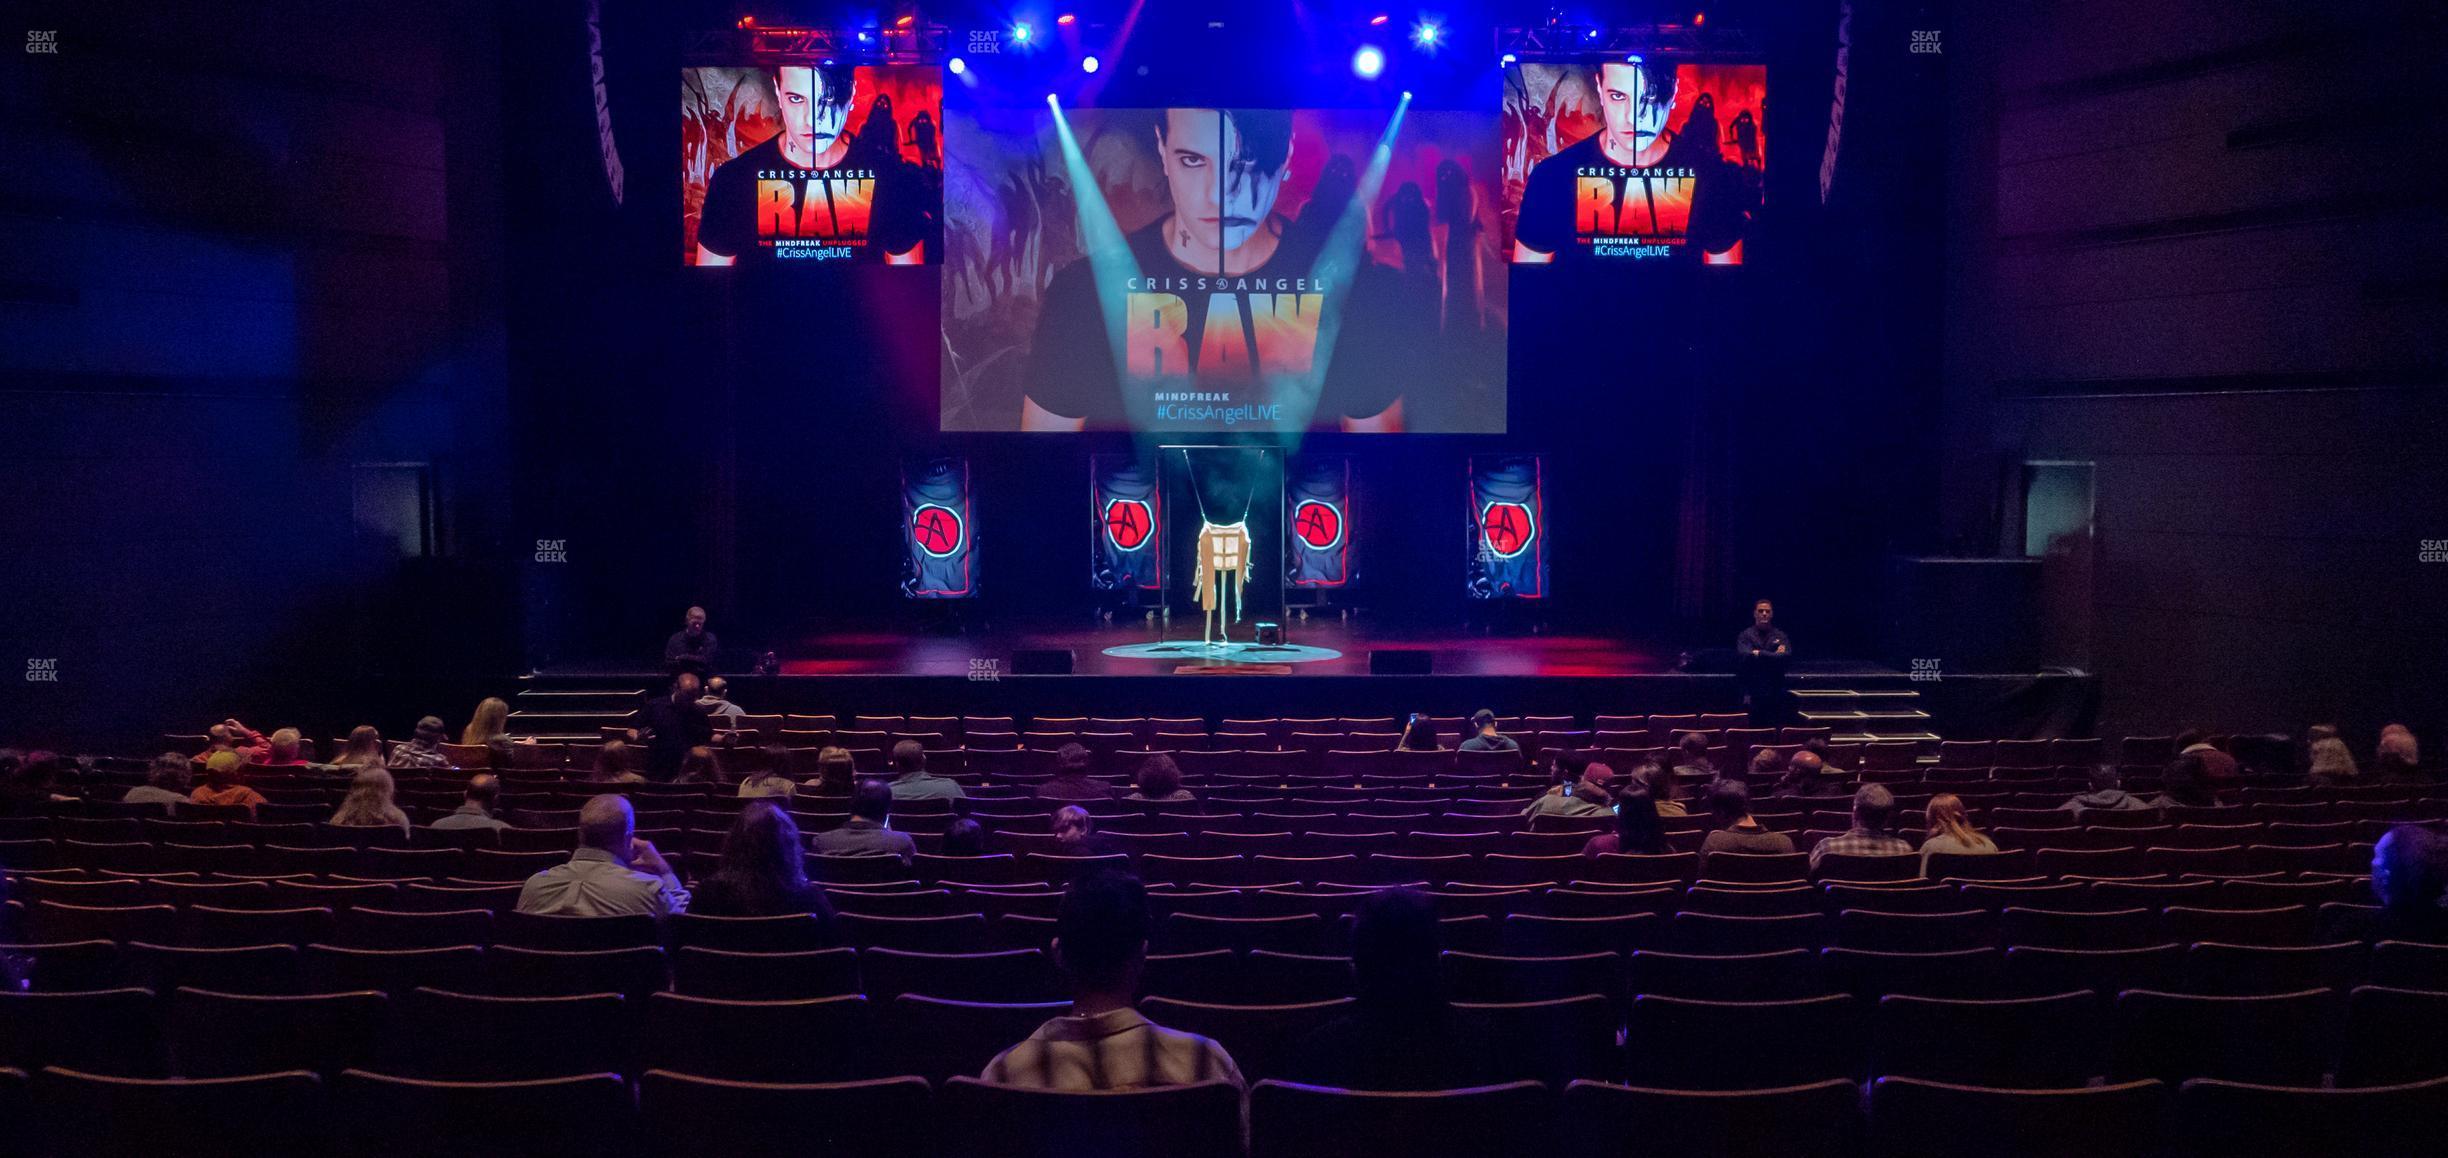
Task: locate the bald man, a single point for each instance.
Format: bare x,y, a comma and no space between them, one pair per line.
612,874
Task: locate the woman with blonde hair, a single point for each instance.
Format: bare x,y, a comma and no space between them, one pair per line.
491,722
835,771
1950,830
362,749
2331,760
2399,758
369,803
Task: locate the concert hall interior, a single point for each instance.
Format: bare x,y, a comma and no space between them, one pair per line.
1610,576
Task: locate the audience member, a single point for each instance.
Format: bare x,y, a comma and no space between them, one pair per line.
2186,784
912,781
424,749
222,784
964,837
2216,766
611,874
1485,738
1071,779
1585,795
370,803
2106,795
2399,758
1075,833
671,725
868,832
1400,1034
231,736
166,783
1102,1043
1664,788
476,809
1636,828
1691,761
835,770
281,749
491,722
762,872
1806,778
612,765
362,749
1872,833
2331,761
1160,782
28,790
1419,734
1950,830
766,779
2409,874
1729,805
717,702
697,767
1766,768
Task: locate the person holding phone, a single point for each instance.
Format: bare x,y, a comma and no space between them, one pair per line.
1586,795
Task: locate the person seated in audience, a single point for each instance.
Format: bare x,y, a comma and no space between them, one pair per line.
1485,738
1873,831
30,789
362,749
767,779
1664,788
1159,782
2216,766
671,725
370,803
835,770
1691,760
1071,779
717,703
1818,746
1767,767
612,765
1418,735
1401,1033
166,783
868,832
1729,805
1807,778
222,785
1583,796
613,872
2399,758
1950,830
2106,795
697,767
231,736
1103,1043
2186,784
424,749
1076,835
761,872
490,726
912,781
281,750
2329,760
2409,873
1636,827
965,837
476,809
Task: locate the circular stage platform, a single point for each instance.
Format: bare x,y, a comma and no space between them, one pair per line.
1224,652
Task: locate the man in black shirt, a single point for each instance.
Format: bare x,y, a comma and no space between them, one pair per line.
1625,191
672,725
691,648
815,192
1224,306
1760,654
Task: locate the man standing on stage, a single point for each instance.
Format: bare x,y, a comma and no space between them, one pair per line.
691,648
1761,654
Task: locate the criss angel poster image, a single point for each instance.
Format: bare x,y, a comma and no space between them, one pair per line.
1626,160
1224,270
811,164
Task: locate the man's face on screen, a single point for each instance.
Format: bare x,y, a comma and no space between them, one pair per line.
1220,196
1635,108
813,115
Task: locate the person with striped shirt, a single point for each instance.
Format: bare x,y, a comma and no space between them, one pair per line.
1100,939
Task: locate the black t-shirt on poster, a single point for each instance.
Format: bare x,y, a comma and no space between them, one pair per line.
823,209
1655,203
1378,345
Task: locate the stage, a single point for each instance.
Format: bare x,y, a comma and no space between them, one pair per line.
1131,668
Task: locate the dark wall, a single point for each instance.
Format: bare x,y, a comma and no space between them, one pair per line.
2199,244
249,247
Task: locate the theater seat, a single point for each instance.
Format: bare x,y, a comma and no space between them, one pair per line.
231,1034
2238,1120
938,1038
465,1037
820,1040
1290,1120
2394,1035
111,1031
83,1114
2019,1043
1597,1120
1256,1036
2281,1038
1678,1043
1912,1118
692,1116
1199,1121
380,1116
765,976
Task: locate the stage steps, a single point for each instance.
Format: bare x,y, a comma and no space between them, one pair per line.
1874,715
578,715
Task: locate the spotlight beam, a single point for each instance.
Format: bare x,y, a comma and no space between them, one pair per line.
1339,261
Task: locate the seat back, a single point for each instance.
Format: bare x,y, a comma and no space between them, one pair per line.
1915,1118
381,1116
822,1039
2259,1121
81,1113
1290,1120
2020,1043
2280,1039
692,1116
1817,1118
1727,1045
1196,1121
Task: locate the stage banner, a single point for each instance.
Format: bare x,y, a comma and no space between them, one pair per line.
1508,527
1620,161
1125,513
1317,534
811,163
937,536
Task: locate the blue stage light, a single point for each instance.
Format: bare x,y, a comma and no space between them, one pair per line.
1426,35
958,66
1021,33
1368,62
1088,64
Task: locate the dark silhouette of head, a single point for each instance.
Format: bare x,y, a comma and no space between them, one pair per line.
871,800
